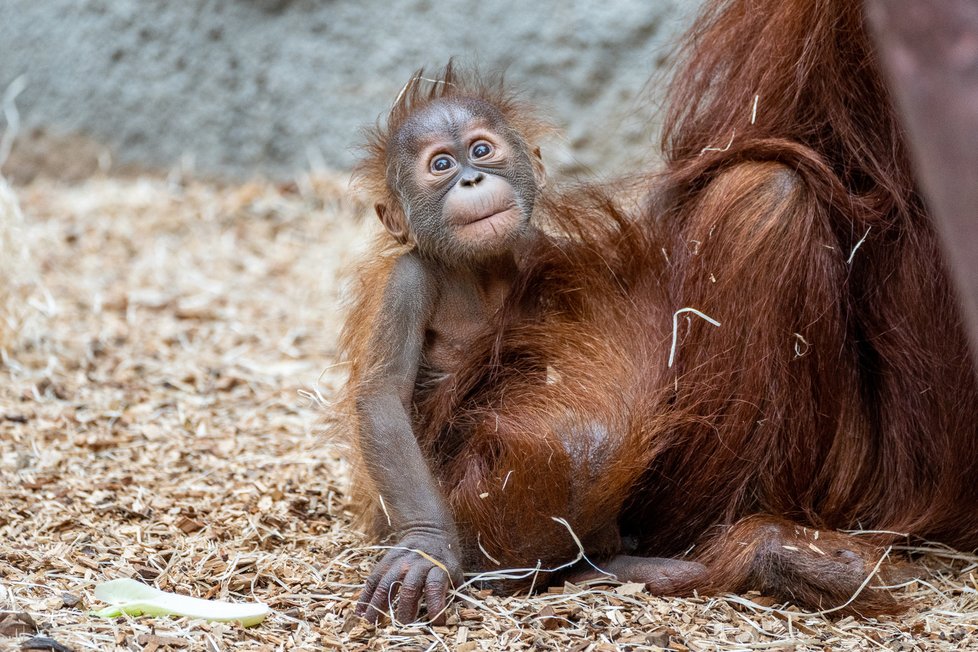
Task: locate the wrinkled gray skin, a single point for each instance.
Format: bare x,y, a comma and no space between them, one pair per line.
469,225
432,207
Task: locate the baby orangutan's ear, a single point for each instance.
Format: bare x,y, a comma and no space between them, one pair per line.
394,221
539,172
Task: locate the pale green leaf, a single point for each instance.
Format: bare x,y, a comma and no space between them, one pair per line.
134,598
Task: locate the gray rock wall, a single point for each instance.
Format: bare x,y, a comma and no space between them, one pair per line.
239,87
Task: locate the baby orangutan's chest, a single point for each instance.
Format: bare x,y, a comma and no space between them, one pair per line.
448,344
458,323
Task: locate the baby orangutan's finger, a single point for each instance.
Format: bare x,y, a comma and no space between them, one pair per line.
436,593
370,587
386,591
411,591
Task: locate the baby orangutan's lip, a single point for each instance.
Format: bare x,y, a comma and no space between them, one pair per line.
491,225
487,216
490,215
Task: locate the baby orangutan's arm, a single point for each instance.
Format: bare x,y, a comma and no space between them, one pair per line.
425,560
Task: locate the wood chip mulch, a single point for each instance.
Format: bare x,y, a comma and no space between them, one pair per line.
168,360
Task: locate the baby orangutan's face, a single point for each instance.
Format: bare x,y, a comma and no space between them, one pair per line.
465,178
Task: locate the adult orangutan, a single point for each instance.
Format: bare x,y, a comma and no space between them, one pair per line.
702,393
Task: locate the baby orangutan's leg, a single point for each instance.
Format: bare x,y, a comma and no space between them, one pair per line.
536,501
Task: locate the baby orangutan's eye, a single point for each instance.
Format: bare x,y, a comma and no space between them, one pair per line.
442,163
481,149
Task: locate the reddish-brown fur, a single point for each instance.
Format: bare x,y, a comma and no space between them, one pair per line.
836,394
872,428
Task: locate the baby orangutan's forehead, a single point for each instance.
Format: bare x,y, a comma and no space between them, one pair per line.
448,119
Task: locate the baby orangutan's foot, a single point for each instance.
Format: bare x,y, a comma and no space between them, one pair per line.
660,575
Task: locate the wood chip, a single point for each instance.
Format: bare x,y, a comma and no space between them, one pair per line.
189,526
15,623
546,619
147,640
44,643
630,588
69,600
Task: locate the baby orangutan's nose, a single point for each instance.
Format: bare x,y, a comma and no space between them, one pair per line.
471,178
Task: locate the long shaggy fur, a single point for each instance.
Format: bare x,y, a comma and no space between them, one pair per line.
833,395
841,372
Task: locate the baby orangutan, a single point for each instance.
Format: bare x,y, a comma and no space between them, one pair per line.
457,174
461,185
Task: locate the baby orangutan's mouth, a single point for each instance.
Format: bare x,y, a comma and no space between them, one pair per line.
490,224
488,216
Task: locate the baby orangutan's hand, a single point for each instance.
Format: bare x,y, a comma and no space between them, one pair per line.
424,563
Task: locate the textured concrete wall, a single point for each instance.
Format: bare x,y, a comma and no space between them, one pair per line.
272,86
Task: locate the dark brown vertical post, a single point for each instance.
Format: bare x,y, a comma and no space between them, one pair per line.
929,50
